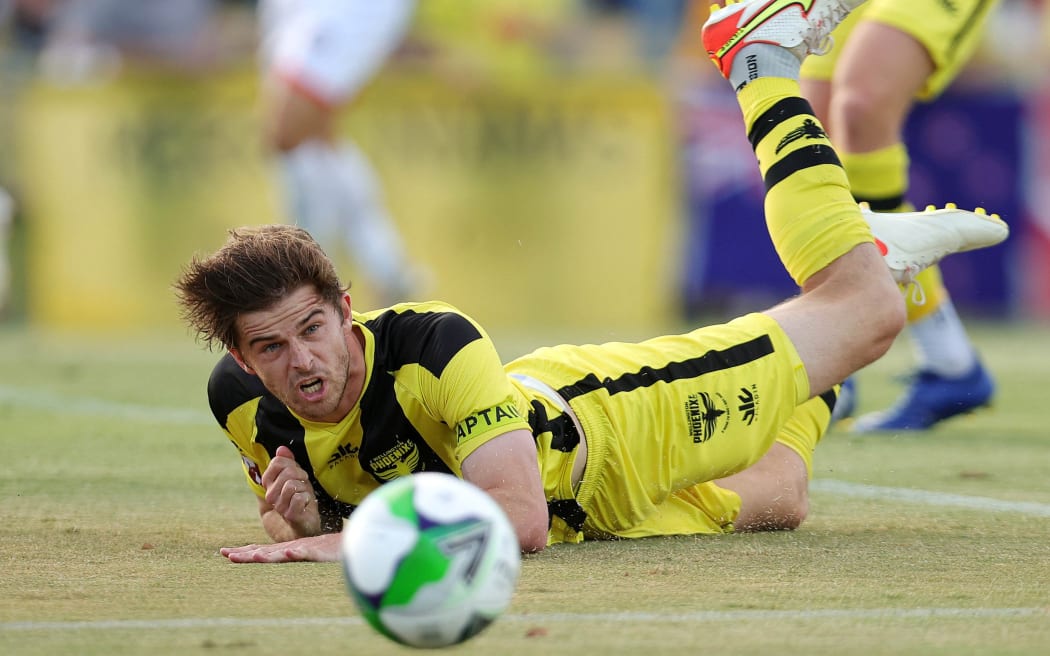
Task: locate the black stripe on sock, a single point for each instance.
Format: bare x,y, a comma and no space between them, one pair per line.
709,362
830,398
803,158
887,204
775,115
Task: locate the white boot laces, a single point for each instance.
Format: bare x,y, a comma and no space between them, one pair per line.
818,37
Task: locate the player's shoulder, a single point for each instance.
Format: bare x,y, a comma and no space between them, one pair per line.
430,333
419,318
230,387
412,308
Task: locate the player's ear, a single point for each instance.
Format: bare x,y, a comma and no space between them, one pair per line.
241,362
345,305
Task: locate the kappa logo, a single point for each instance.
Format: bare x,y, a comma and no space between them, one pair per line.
344,451
809,129
707,414
401,460
748,403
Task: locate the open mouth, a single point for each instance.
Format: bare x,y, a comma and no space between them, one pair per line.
312,387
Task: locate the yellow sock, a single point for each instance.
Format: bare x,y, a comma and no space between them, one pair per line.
810,211
806,426
880,177
934,294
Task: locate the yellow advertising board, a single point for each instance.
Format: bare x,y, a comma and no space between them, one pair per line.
550,204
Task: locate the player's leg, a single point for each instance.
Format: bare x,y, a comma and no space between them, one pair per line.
774,492
884,66
850,310
318,57
771,494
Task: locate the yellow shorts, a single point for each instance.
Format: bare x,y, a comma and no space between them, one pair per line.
950,32
665,417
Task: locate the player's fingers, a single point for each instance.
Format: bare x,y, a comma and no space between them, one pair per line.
282,467
280,494
245,554
299,504
226,551
274,470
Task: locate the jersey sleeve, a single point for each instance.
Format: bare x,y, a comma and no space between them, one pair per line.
481,400
461,380
234,398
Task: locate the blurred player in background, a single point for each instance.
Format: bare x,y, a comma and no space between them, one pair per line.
888,54
317,57
92,39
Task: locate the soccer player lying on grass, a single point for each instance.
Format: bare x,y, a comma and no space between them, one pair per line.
706,432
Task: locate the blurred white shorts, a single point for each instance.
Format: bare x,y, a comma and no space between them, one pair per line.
329,49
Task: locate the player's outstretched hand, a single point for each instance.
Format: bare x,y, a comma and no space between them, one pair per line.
317,548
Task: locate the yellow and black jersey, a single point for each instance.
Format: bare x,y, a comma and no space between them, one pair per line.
435,390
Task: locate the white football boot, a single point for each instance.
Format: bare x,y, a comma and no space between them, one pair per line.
801,26
913,241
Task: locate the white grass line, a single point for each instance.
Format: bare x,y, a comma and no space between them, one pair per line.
60,404
553,618
927,498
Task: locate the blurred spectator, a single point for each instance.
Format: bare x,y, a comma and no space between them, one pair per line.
26,23
653,25
89,39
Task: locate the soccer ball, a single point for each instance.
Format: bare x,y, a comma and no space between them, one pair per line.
430,559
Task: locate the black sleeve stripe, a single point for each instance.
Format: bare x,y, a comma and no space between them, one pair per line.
776,115
429,339
230,387
803,158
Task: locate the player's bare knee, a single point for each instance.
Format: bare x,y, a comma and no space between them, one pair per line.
890,316
857,114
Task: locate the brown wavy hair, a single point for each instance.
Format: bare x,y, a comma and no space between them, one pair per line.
256,267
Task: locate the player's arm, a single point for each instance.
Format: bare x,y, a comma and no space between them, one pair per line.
506,468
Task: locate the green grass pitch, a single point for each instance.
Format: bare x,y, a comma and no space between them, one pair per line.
117,491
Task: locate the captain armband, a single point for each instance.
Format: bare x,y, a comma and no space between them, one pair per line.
483,421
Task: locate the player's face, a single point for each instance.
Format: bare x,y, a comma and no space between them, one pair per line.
304,351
